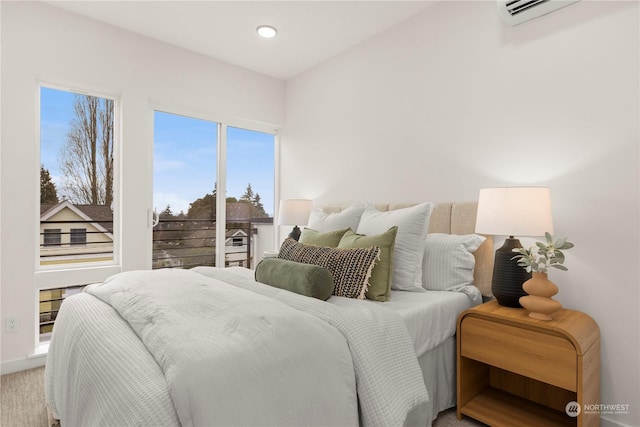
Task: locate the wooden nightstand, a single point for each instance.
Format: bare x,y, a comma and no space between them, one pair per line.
517,371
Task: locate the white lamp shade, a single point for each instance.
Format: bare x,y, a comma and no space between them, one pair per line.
294,211
514,211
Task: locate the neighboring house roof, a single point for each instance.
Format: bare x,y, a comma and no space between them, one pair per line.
230,234
242,212
100,216
238,211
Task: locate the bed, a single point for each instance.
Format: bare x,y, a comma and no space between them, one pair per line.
223,349
437,354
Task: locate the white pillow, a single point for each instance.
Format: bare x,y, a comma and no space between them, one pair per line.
412,223
448,261
322,222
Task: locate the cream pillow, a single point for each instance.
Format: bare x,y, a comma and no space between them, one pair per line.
412,223
448,261
322,221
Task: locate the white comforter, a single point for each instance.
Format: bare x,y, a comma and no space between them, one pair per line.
99,373
219,349
388,375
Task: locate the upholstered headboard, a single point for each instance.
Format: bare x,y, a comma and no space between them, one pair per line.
452,218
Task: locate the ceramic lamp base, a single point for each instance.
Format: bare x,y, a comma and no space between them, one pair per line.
295,233
508,276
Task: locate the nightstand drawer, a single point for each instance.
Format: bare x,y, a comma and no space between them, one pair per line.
547,358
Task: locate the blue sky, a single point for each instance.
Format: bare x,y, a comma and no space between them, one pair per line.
185,155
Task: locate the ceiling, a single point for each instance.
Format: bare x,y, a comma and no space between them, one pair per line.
309,32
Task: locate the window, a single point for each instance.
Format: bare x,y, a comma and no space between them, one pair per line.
184,190
77,192
77,169
192,166
49,303
52,237
78,236
250,167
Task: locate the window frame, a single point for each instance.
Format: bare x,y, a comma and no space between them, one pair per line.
223,123
75,273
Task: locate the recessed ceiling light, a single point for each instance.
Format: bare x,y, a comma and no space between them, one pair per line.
266,31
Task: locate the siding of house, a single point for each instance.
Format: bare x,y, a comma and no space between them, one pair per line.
98,247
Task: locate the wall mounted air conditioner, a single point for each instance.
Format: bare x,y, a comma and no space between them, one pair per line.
515,12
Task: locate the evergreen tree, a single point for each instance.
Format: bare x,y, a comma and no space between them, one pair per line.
166,213
248,194
205,207
48,192
258,208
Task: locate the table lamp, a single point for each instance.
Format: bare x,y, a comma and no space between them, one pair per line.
512,211
294,212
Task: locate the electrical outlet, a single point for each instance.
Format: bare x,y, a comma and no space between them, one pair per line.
11,324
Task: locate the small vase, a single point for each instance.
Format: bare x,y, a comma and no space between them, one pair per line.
539,302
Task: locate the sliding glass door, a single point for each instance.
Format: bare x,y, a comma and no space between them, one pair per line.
207,174
184,191
250,182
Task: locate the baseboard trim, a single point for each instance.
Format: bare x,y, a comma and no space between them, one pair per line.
23,364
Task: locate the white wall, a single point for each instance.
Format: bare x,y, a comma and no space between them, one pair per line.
453,100
436,108
41,43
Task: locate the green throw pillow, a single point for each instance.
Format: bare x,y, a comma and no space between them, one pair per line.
304,279
382,275
329,239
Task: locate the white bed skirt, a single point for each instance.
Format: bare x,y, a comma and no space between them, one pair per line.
439,372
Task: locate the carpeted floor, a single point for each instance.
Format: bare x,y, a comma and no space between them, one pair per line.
448,419
22,396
